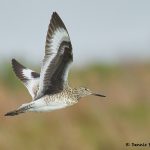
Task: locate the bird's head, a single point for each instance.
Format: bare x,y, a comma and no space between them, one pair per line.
85,92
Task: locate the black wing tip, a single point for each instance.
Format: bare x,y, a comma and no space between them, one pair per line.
57,21
15,64
55,15
17,68
13,61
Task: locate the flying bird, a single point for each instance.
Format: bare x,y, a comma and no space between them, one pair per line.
50,89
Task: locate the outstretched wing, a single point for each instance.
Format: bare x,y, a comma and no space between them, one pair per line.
58,57
28,77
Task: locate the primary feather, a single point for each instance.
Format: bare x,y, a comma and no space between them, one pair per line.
58,57
28,77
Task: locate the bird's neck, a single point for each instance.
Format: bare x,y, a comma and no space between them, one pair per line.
77,93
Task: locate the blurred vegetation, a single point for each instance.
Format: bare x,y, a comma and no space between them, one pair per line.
92,124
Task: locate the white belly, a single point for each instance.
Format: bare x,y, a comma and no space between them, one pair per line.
49,107
43,106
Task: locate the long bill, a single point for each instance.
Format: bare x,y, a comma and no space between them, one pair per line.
96,94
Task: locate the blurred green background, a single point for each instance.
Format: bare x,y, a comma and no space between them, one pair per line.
92,124
111,48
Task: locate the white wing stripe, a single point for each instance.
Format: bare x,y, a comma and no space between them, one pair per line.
27,73
58,36
32,86
43,70
28,77
66,73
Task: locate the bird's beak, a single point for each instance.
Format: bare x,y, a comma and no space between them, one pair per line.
96,94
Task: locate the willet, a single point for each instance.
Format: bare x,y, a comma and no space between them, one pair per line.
50,89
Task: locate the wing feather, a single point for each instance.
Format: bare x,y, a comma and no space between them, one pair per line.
28,77
57,59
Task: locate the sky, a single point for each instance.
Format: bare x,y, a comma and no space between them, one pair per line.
109,31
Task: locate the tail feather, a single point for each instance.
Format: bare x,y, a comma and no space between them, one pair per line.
12,113
22,109
15,112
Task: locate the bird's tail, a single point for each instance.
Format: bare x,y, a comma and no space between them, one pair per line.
13,113
17,111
